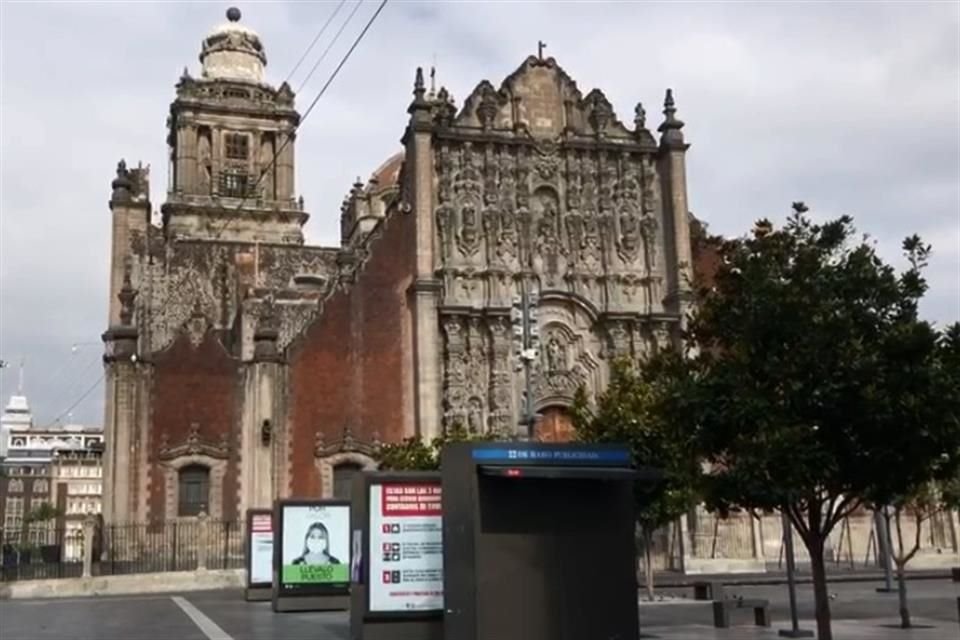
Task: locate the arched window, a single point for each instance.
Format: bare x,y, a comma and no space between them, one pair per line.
16,486
40,486
194,481
343,479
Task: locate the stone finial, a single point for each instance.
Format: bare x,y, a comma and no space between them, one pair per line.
420,107
671,126
419,89
233,14
639,117
127,295
122,184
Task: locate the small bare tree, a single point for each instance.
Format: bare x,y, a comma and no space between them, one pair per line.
919,507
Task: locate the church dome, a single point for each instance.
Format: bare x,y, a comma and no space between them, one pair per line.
232,51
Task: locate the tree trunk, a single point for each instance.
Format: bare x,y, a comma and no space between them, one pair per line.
648,562
820,596
902,592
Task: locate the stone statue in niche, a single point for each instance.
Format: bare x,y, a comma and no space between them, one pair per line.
445,229
475,415
556,355
629,183
648,229
660,335
507,245
574,200
491,223
619,340
469,229
507,181
608,177
444,174
589,183
649,187
469,173
590,249
629,235
547,231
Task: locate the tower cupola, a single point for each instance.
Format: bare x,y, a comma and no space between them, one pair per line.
233,51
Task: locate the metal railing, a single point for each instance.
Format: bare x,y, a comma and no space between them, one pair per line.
120,549
40,552
178,545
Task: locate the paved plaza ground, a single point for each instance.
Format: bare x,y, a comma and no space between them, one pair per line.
859,613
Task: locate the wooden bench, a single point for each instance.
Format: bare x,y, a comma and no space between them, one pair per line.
721,611
708,590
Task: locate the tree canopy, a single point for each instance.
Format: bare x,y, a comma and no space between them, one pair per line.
810,384
416,454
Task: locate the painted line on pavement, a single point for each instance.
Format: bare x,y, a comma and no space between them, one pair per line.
83,600
208,626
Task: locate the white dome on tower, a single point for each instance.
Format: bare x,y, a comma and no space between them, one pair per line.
232,51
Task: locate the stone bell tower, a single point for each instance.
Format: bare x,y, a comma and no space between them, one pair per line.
231,140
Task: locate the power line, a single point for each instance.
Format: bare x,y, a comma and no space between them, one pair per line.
315,40
73,372
306,113
80,375
77,402
330,46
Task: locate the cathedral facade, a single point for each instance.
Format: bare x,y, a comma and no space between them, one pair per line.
244,365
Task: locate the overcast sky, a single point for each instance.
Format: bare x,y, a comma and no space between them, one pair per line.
851,107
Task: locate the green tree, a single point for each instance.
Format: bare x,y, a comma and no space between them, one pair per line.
632,410
414,454
43,512
811,383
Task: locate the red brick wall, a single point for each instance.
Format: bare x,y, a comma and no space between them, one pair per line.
194,384
706,255
350,365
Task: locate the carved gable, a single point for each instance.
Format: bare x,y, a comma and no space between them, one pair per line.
540,99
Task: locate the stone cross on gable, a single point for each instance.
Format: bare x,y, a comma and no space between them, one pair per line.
541,45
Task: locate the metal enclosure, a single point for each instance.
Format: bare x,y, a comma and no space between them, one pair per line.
365,623
255,590
538,542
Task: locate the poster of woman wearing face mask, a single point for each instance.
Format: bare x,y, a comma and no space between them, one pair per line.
315,547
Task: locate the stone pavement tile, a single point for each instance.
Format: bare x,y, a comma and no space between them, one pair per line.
136,618
243,620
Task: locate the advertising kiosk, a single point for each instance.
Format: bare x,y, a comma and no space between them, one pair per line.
538,542
397,557
311,555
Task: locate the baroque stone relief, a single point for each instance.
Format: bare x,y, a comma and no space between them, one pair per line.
186,283
585,221
570,352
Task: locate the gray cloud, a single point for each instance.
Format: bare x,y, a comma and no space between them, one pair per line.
852,107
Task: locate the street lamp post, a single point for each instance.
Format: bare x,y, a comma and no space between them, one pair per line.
795,631
526,334
883,548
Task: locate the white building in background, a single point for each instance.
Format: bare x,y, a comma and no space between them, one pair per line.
60,465
16,418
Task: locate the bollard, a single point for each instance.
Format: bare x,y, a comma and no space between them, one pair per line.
88,539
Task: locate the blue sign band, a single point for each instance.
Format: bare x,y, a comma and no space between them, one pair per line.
564,455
